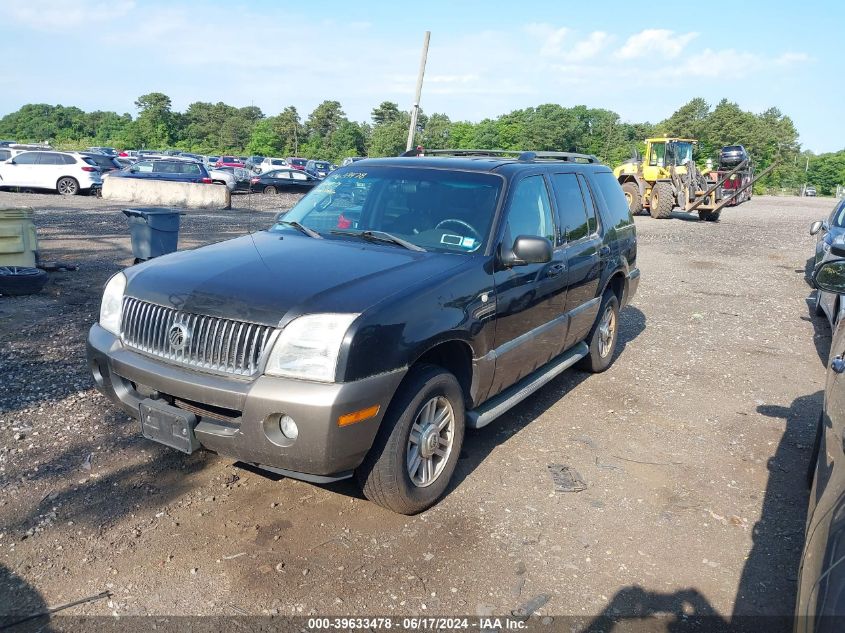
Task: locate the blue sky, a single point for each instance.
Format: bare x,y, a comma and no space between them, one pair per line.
486,57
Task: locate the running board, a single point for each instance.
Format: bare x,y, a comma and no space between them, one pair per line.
497,405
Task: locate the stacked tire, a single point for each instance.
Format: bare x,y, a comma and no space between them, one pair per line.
17,281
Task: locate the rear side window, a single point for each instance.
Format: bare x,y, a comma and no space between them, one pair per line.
570,206
614,199
592,221
191,168
50,159
530,210
144,166
70,160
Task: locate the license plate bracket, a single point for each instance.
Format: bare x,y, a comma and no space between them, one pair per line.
168,425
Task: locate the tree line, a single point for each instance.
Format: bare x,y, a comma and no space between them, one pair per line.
327,133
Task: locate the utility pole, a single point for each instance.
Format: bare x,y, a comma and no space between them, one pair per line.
416,107
806,169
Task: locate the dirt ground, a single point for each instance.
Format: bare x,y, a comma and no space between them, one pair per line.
694,447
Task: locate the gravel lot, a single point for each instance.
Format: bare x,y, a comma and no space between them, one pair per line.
694,447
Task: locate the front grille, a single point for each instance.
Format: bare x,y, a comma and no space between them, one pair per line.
214,344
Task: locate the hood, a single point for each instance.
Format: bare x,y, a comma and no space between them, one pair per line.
262,277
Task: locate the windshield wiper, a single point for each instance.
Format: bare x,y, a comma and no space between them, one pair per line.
381,236
301,227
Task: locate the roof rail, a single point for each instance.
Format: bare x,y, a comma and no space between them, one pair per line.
520,155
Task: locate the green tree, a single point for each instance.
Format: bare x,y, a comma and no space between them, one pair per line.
386,112
155,125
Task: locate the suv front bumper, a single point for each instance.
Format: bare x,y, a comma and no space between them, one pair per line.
248,410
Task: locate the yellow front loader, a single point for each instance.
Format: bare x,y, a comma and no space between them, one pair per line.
667,177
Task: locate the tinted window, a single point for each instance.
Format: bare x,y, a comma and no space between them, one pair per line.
143,166
47,158
837,218
614,199
530,211
191,168
436,209
5,154
67,159
279,174
570,206
27,158
592,222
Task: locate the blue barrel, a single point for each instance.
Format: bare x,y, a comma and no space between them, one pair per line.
154,231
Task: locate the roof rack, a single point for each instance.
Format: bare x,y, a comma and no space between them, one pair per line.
520,155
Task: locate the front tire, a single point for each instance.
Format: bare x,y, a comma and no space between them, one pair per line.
632,195
417,447
270,190
603,336
662,201
67,186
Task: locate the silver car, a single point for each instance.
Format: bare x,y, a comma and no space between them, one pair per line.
829,231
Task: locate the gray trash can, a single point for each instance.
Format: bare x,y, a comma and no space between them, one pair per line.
154,231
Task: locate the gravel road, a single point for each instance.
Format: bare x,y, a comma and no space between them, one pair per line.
693,446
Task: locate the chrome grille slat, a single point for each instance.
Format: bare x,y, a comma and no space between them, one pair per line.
215,344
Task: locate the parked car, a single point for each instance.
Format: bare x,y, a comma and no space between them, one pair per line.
253,163
297,163
222,176
173,169
390,308
732,155
107,151
191,156
128,153
269,164
810,191
284,180
125,161
350,159
229,161
820,603
67,173
319,168
241,175
105,162
6,143
828,231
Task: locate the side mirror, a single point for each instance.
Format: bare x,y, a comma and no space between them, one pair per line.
529,249
830,276
815,227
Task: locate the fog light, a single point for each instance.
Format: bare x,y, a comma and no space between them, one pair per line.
289,428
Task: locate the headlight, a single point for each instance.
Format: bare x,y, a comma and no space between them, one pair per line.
308,347
112,306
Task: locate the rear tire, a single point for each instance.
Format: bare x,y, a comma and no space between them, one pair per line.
662,201
632,195
270,190
385,475
67,186
603,337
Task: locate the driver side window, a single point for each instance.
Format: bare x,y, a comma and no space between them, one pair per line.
530,211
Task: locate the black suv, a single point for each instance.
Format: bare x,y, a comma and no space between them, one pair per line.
399,301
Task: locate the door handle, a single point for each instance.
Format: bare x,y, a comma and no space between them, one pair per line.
838,364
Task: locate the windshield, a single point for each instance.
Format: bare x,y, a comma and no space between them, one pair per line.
435,209
683,152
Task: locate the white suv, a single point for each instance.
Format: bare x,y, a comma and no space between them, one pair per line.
269,164
65,172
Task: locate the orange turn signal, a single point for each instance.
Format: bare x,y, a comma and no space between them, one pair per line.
358,416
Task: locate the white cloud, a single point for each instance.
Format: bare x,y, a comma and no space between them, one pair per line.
660,42
60,15
590,47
